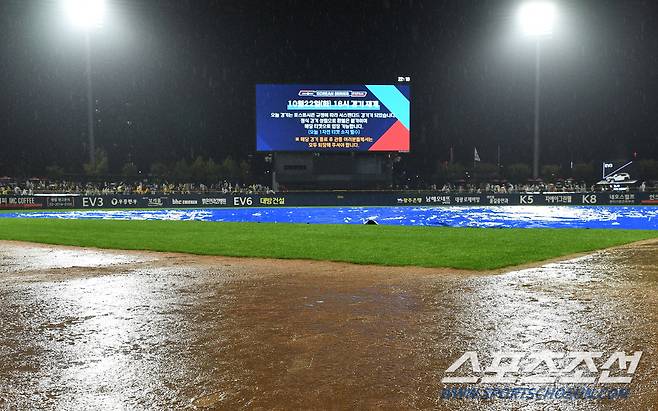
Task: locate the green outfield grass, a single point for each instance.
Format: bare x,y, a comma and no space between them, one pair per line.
465,248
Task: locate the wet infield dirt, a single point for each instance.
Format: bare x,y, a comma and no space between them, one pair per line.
100,329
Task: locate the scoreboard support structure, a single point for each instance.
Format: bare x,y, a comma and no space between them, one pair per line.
332,171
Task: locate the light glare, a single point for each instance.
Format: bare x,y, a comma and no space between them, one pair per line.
537,18
85,14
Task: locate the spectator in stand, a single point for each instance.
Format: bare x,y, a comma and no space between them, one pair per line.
146,187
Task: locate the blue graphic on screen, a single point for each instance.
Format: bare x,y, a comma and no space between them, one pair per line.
294,117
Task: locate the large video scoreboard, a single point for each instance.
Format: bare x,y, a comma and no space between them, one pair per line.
292,117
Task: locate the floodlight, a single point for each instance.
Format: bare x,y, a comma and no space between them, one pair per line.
537,18
85,14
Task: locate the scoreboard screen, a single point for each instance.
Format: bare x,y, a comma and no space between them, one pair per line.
362,117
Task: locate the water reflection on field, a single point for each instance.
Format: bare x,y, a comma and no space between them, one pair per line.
163,331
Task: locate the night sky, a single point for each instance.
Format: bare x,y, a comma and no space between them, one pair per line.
175,78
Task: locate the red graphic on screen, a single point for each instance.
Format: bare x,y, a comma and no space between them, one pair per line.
395,138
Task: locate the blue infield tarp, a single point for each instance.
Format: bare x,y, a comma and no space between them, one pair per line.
622,217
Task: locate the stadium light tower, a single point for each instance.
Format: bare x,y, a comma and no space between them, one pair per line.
87,15
537,21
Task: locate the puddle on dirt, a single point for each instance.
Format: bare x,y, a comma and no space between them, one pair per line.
170,331
18,258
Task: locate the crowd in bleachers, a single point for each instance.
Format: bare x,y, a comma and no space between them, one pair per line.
31,187
561,186
504,188
42,186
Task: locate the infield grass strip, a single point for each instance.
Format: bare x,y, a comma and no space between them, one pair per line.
464,248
